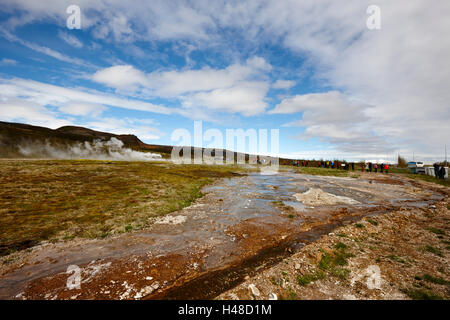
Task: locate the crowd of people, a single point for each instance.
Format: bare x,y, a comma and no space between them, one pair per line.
334,164
439,171
369,167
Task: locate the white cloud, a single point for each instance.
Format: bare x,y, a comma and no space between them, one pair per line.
45,50
45,94
8,62
323,108
82,109
17,110
120,77
238,88
283,84
246,98
70,39
399,70
332,117
140,127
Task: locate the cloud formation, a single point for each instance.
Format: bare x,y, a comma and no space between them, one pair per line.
392,83
238,88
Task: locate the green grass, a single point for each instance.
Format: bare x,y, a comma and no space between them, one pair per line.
334,262
433,250
373,222
432,279
291,295
436,231
306,279
398,170
340,272
64,199
445,182
318,171
396,259
421,294
340,245
359,225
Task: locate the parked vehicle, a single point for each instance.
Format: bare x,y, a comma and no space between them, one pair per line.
416,167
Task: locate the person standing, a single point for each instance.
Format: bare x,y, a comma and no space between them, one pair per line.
370,166
386,168
436,170
442,172
375,166
353,166
381,167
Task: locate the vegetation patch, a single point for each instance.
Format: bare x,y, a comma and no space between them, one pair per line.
432,279
63,199
334,262
444,182
306,279
436,231
422,294
433,250
396,258
322,171
340,245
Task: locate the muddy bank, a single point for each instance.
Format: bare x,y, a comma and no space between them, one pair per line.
403,254
242,226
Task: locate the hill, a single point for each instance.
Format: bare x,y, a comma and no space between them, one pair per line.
13,135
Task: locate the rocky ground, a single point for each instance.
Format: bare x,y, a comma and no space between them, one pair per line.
403,254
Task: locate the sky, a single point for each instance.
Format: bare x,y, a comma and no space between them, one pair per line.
312,69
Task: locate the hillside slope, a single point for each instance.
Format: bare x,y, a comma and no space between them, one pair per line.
13,135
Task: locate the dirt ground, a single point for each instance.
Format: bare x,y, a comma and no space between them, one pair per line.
403,254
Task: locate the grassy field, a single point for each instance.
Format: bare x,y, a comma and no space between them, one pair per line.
423,177
350,173
317,171
61,200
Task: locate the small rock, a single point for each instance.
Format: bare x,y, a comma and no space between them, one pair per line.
148,278
254,290
155,285
297,266
273,296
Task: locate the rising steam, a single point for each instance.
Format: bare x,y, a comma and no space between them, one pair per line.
96,150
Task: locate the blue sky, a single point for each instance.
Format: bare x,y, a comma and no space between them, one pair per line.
311,69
